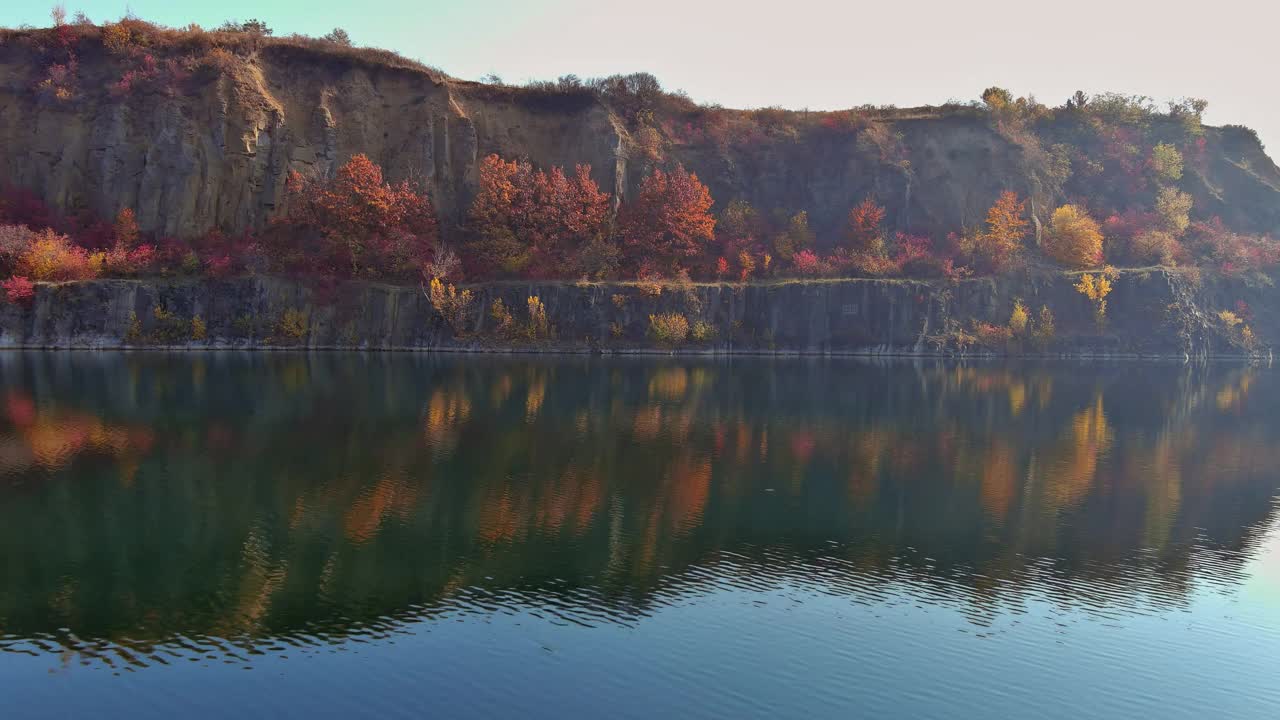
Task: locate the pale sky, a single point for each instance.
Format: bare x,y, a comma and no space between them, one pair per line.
817,54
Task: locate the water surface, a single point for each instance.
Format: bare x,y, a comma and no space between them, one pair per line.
399,535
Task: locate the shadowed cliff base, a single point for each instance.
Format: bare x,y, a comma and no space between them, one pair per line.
1146,313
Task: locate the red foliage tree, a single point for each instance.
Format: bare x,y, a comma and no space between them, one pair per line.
535,221
722,267
739,234
807,263
19,290
1233,253
355,224
498,213
669,224
864,226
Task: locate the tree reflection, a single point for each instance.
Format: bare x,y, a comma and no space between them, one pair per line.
226,496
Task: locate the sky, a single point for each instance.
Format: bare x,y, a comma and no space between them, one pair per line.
816,54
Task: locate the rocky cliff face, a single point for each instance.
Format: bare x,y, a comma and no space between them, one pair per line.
213,149
1151,313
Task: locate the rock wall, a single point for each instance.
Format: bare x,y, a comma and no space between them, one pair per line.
1151,313
214,151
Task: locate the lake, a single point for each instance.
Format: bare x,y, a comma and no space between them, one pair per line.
317,535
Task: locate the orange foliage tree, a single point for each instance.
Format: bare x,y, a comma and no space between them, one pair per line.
991,250
126,229
1074,238
864,230
669,224
51,256
540,222
355,224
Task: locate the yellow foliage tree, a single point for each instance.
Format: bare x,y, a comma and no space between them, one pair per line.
1245,335
1167,162
1247,338
539,326
451,303
1174,208
669,328
1097,289
1019,319
1074,238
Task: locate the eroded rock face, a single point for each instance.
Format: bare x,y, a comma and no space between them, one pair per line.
216,153
1151,313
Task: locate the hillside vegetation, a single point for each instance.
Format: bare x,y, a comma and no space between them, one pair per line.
130,149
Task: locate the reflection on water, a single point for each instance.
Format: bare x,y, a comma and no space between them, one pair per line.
233,508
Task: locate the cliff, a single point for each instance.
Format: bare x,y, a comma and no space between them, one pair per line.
1151,313
196,131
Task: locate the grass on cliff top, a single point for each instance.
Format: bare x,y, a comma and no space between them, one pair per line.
193,39
633,95
671,285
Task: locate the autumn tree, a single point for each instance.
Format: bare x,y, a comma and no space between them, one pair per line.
1074,238
498,212
1166,161
864,232
1154,246
795,238
1045,328
573,216
997,98
669,223
1019,319
991,249
125,256
51,256
1173,207
544,223
740,235
354,224
125,229
740,220
1096,289
1007,223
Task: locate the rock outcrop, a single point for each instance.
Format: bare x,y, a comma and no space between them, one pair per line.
212,149
1154,313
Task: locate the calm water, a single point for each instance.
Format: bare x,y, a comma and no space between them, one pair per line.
330,535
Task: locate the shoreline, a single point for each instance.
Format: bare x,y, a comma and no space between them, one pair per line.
641,352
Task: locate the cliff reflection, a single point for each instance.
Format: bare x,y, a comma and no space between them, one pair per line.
271,497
